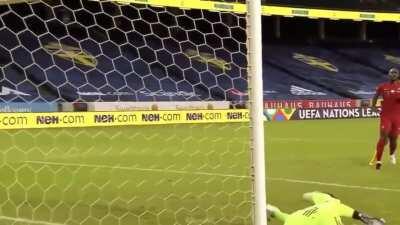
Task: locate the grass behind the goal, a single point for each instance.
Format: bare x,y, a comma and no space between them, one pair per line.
178,174
198,175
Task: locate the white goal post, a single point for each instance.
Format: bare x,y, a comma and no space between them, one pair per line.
254,38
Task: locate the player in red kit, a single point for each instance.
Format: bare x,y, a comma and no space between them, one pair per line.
390,116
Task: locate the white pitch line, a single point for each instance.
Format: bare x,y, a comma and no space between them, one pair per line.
323,140
135,168
28,221
334,184
288,180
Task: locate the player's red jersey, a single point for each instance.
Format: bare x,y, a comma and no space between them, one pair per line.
391,99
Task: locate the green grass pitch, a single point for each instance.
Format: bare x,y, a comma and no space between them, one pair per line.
186,174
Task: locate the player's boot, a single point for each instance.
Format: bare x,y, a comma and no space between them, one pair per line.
367,220
378,165
393,159
372,162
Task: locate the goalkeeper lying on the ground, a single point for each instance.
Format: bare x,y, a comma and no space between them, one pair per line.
327,210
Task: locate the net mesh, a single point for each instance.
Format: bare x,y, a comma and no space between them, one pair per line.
65,51
72,50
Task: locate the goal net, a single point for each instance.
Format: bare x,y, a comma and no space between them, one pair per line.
54,51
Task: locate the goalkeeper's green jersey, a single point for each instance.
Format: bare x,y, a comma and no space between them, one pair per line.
326,211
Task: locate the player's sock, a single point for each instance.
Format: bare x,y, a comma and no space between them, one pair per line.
380,146
392,150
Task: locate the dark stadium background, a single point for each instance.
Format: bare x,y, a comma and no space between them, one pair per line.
134,63
369,5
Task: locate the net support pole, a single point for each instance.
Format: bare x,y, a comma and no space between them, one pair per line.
254,37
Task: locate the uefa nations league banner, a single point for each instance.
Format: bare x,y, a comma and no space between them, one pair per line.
320,113
314,104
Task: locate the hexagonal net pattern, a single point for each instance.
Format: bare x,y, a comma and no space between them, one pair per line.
80,50
153,175
177,174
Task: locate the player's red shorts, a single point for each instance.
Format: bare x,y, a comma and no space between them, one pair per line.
390,125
